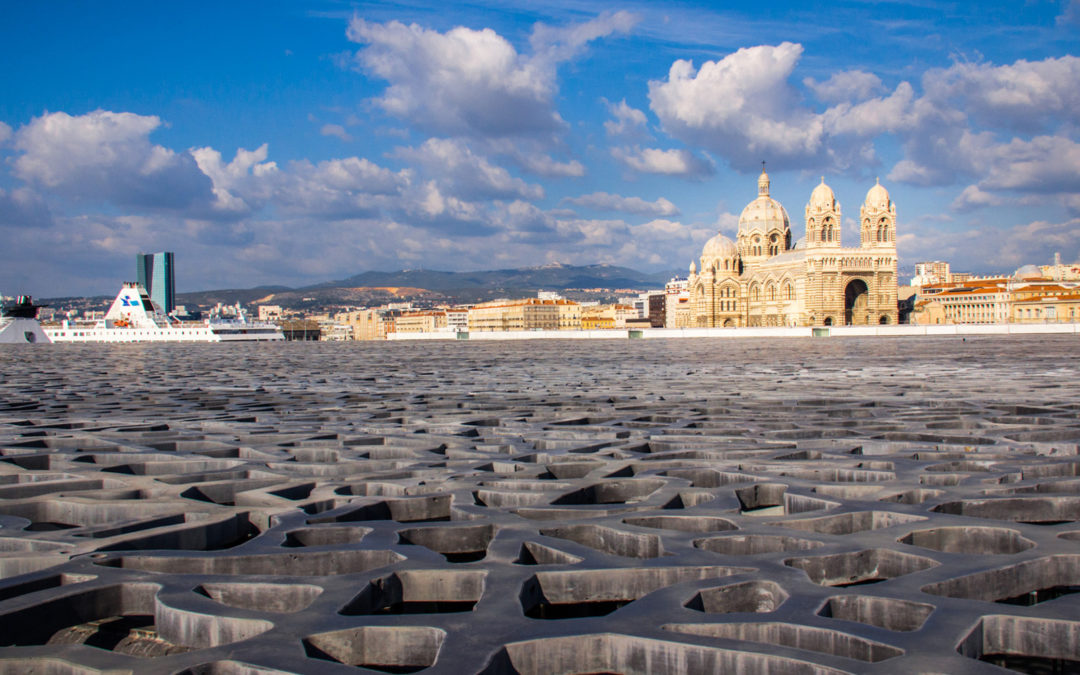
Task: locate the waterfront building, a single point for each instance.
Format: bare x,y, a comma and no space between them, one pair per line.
607,317
525,314
1027,296
155,274
764,279
269,312
457,319
930,273
420,322
677,312
985,300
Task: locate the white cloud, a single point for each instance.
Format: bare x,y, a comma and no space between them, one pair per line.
108,155
546,165
1025,95
637,205
1070,14
353,187
472,82
741,107
242,176
875,116
847,85
972,198
1000,250
5,133
465,174
22,207
335,130
629,122
674,162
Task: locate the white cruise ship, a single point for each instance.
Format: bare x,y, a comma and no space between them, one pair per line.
19,324
133,317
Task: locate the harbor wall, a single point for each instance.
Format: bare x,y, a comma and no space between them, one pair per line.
741,333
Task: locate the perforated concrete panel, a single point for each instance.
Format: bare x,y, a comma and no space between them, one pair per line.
807,506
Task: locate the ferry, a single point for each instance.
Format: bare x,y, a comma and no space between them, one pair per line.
133,317
19,324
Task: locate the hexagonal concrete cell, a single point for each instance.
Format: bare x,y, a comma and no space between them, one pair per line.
812,639
304,564
533,553
887,613
609,540
125,618
393,649
334,535
574,594
755,544
1028,583
849,523
274,598
633,655
229,667
1034,510
967,539
860,567
683,523
457,543
621,491
434,591
748,596
1027,645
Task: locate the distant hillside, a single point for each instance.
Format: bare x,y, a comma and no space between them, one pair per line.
376,288
548,277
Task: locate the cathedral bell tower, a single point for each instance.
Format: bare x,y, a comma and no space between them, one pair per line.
878,217
823,218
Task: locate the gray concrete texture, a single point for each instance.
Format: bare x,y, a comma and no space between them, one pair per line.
860,505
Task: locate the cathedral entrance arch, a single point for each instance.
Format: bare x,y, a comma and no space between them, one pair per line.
856,298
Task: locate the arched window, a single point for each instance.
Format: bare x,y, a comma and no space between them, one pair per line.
755,293
770,293
789,291
774,245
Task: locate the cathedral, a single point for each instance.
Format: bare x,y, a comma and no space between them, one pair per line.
763,279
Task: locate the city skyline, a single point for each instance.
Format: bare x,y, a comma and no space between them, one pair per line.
289,144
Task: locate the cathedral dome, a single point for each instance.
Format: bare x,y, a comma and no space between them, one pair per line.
878,197
1028,272
764,213
719,247
822,198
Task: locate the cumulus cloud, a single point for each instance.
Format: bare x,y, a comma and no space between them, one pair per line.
611,202
741,107
1001,249
5,133
847,85
1070,14
24,208
464,174
629,122
108,155
972,198
240,181
352,187
1023,96
674,162
335,130
473,82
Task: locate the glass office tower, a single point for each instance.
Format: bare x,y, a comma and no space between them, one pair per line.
155,272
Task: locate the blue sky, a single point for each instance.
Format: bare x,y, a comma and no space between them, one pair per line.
293,143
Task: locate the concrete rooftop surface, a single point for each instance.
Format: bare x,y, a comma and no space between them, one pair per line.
796,506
